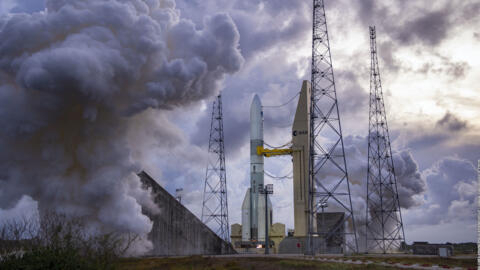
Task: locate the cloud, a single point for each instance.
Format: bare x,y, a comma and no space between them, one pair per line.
410,182
449,195
476,35
28,6
451,122
430,28
441,138
26,208
82,87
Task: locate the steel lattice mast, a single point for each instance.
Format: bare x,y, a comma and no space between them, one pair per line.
329,184
215,206
384,230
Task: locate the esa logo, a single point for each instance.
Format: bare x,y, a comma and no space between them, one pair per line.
301,132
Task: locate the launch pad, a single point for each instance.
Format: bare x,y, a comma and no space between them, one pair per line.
253,207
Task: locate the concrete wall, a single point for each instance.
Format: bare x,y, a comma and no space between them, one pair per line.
176,231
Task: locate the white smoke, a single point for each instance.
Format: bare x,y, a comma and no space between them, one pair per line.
410,184
71,80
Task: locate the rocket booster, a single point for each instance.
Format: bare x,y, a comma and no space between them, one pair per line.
256,161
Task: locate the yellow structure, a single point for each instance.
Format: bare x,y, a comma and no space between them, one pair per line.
273,152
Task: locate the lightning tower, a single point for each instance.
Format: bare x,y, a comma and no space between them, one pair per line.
215,206
328,177
384,229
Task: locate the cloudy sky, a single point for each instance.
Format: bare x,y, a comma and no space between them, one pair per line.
429,60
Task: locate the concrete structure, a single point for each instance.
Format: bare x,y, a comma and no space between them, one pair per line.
424,248
253,206
300,159
276,234
297,245
176,231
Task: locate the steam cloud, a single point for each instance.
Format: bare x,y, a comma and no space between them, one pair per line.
76,78
410,183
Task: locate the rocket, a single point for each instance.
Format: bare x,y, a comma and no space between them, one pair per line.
253,207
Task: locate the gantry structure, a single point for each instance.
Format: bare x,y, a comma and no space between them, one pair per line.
329,186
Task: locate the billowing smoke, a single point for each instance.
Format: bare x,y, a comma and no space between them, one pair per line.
77,78
410,184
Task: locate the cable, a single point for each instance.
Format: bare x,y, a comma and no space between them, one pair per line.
277,106
277,147
288,176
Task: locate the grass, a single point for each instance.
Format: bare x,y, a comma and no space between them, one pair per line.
425,261
255,263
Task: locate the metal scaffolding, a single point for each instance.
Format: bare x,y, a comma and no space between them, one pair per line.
215,206
384,228
329,184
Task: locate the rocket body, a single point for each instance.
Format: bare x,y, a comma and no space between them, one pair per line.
256,161
253,207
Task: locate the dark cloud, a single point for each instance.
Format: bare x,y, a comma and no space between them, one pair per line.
451,193
410,182
354,96
386,51
445,65
258,39
28,6
427,140
450,122
469,13
411,25
476,36
457,70
430,28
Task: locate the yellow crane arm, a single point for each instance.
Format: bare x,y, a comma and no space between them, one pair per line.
273,152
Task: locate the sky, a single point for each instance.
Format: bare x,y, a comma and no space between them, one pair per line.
429,61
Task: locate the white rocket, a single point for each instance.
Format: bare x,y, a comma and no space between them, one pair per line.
253,207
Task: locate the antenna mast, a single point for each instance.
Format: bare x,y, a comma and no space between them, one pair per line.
215,206
384,220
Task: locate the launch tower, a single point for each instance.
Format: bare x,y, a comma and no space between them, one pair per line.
329,187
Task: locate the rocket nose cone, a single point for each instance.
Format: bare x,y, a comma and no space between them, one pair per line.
256,101
256,108
256,119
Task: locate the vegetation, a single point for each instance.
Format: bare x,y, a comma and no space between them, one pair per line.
58,242
234,263
254,263
465,248
420,260
61,242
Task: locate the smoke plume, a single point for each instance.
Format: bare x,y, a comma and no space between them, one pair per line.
76,78
410,183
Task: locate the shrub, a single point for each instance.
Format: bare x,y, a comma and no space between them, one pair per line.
59,242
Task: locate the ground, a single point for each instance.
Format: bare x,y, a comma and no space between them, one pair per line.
296,262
